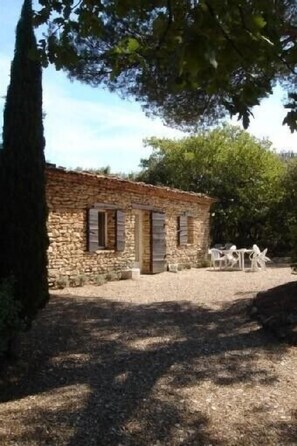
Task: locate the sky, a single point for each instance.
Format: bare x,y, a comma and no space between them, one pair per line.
91,127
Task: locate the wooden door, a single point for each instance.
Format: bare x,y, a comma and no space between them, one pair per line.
158,243
138,240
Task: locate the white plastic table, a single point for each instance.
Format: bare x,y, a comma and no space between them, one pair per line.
241,252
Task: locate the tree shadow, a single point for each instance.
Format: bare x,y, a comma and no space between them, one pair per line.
105,372
266,430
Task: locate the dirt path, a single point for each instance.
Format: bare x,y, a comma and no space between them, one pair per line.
171,359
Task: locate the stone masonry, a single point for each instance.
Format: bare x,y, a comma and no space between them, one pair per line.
71,194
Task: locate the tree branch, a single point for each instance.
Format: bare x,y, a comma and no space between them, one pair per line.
169,23
225,34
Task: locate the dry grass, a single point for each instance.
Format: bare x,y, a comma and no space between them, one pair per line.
172,359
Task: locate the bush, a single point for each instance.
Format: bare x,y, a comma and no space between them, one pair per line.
62,282
113,275
204,263
77,281
100,279
10,322
294,249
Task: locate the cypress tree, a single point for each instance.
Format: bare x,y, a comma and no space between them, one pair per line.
23,224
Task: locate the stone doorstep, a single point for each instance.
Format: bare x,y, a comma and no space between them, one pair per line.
173,267
133,274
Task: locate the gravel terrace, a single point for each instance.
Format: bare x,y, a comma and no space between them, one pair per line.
170,359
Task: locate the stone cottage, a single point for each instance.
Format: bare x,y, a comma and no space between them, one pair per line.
101,225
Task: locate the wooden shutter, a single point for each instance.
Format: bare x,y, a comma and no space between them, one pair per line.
182,230
158,243
120,230
93,235
190,224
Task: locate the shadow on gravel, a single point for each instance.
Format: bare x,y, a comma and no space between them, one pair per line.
102,372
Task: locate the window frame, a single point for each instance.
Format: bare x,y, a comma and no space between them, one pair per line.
109,238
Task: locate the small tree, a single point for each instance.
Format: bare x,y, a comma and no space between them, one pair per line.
23,222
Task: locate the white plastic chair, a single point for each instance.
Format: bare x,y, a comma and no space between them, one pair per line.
229,246
232,257
258,259
216,257
254,258
263,259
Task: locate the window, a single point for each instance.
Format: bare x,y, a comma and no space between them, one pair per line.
106,229
102,229
185,230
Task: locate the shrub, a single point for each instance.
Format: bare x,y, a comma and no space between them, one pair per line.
112,275
62,282
204,263
10,321
294,249
79,280
100,279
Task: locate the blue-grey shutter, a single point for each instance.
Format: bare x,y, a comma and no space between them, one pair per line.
182,230
93,235
120,230
158,243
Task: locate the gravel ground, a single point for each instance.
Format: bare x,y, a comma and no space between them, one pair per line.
170,359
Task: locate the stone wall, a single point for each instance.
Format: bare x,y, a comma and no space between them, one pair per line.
70,194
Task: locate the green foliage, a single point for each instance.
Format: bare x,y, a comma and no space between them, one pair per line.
106,171
96,171
77,281
294,248
100,279
291,118
23,229
10,321
190,62
287,155
229,164
288,208
61,282
112,276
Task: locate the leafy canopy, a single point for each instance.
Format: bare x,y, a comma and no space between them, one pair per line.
227,163
287,214
189,61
